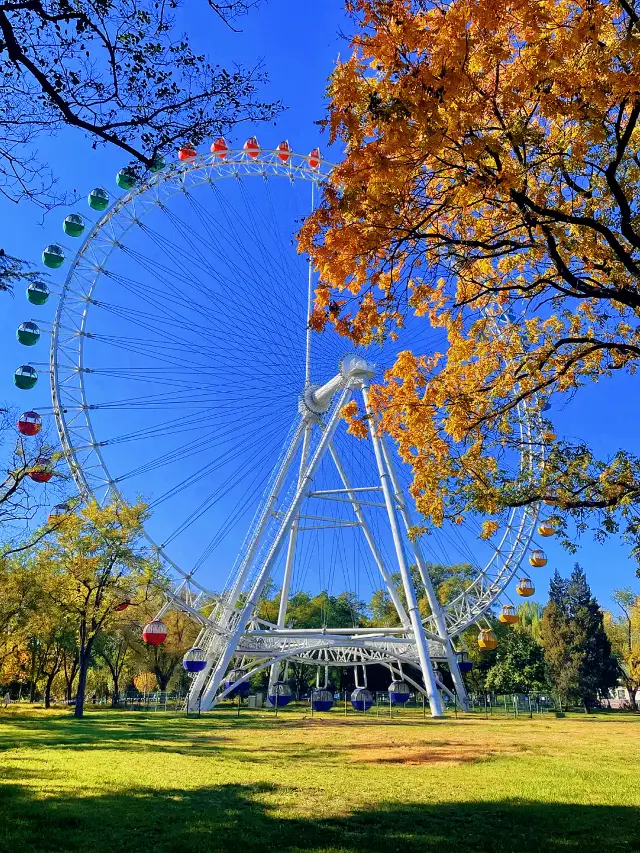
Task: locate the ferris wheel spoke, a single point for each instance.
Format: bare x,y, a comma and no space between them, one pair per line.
234,238
169,322
194,478
178,295
219,494
224,255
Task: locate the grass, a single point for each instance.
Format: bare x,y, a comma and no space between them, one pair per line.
161,783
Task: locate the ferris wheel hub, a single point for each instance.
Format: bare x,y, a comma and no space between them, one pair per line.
354,369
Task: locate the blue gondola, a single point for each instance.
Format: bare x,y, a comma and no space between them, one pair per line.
322,700
241,689
194,660
399,692
361,699
280,694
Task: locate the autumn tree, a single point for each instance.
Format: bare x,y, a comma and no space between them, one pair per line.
90,566
489,187
120,73
116,647
623,630
20,599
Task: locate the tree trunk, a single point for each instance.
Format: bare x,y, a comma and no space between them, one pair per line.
163,680
47,689
631,690
70,677
115,696
83,666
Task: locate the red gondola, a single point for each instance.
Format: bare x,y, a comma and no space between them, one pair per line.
123,605
284,151
219,147
154,633
252,148
43,470
30,423
186,153
314,158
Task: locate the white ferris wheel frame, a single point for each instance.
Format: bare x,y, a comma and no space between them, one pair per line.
272,642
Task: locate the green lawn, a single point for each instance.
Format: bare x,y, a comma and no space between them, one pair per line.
152,783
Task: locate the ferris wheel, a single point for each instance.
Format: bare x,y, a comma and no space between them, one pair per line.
183,370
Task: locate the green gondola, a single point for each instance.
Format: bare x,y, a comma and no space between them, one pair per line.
53,256
28,334
125,179
25,377
158,164
73,225
98,199
37,293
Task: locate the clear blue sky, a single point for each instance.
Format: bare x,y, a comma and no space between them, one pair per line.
298,43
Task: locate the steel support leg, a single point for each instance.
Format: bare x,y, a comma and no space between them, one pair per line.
434,603
422,646
291,551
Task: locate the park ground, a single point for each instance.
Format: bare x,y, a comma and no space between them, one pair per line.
162,783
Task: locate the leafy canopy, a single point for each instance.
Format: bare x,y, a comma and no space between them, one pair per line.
491,165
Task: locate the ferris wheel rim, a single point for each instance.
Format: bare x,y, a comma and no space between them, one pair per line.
460,612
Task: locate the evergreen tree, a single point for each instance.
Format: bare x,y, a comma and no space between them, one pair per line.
598,670
562,656
558,588
580,663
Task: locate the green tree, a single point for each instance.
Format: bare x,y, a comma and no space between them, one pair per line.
89,565
580,663
530,615
519,666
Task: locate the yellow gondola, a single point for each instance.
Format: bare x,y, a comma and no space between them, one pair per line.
538,558
525,587
509,615
487,639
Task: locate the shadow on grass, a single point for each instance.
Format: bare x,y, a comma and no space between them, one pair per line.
229,818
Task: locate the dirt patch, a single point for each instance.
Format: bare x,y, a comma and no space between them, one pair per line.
449,753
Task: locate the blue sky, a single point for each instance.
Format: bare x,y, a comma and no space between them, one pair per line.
298,45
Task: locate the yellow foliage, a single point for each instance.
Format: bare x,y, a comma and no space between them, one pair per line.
489,184
145,682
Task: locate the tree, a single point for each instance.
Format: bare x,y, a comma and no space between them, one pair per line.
118,72
578,654
624,634
90,565
519,666
489,186
20,598
530,615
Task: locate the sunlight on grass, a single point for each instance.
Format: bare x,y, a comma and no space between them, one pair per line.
118,780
